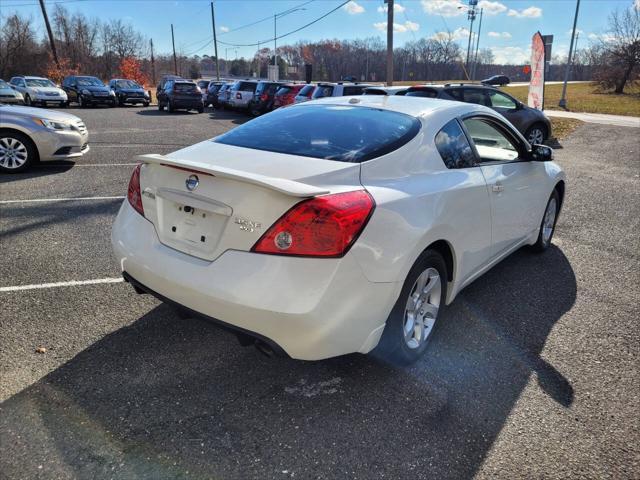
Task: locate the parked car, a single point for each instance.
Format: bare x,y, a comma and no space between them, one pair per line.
180,94
532,123
264,97
286,94
39,91
88,91
282,231
223,95
241,94
381,90
305,93
9,95
501,80
203,85
338,89
29,134
212,94
165,79
128,91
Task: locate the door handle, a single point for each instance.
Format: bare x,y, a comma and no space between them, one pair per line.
497,187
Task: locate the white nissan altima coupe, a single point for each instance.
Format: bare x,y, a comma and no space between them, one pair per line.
340,225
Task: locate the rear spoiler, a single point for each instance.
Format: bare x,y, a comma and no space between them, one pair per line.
282,185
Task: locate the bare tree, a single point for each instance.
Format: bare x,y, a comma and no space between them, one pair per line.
621,47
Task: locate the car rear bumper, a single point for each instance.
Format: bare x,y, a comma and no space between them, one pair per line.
187,103
311,308
109,100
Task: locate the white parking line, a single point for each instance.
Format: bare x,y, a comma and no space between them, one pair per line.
61,284
59,165
44,200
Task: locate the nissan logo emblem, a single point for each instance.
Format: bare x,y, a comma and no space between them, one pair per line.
192,183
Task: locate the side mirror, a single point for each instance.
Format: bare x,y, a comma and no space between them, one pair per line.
541,153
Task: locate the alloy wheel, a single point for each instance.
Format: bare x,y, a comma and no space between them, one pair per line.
13,153
549,221
422,307
536,136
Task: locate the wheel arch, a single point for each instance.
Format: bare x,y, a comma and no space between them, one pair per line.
560,188
24,134
445,249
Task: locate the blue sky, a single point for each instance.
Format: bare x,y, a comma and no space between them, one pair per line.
507,25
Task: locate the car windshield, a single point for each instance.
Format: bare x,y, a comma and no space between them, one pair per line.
306,90
127,84
333,132
89,82
284,90
4,84
39,82
323,91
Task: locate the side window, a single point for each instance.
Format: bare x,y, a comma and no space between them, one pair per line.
478,96
13,81
455,93
491,143
353,91
500,100
453,146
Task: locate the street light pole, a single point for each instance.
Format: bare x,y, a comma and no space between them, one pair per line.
563,100
471,13
475,61
389,41
215,43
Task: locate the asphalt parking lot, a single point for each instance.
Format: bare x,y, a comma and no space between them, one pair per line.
533,373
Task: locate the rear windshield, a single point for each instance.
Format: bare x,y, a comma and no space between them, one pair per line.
245,86
375,91
323,91
284,90
333,132
422,92
184,87
306,90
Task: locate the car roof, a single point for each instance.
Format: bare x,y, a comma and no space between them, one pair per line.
414,106
30,77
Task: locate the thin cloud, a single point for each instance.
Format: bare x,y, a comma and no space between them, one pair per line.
458,34
499,34
493,8
446,8
398,27
397,8
224,29
511,55
531,12
353,8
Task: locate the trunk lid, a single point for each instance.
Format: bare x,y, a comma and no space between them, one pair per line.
211,197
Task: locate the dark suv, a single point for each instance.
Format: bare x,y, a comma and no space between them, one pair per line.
212,93
263,97
128,91
532,123
88,91
180,94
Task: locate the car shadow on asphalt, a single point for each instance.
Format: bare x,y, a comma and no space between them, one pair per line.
164,396
41,169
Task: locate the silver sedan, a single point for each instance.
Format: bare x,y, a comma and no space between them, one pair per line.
30,134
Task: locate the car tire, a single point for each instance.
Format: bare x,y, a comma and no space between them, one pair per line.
23,150
200,109
82,102
536,134
27,100
160,107
410,325
548,224
170,107
145,104
64,104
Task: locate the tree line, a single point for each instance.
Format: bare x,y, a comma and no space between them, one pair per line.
96,47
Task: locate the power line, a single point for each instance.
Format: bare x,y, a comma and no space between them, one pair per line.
286,34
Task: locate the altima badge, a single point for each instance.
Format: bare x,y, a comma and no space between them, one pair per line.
192,183
247,225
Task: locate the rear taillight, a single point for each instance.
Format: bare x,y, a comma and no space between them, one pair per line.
264,97
133,193
239,96
323,226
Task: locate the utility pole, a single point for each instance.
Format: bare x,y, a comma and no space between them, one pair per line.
173,43
475,62
153,63
563,100
51,41
471,13
215,42
389,42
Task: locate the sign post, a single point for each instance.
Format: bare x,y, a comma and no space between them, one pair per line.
536,85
